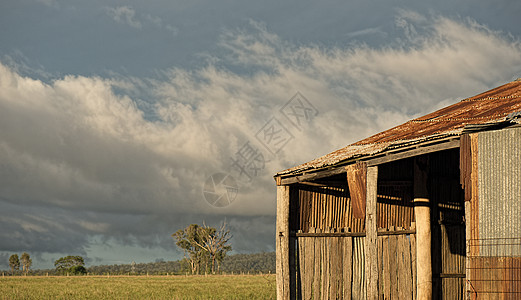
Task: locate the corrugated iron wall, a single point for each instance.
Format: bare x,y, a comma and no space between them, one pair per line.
499,183
495,254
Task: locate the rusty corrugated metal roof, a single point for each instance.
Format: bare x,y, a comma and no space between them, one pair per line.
488,107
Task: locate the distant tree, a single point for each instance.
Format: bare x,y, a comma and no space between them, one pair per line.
14,262
68,264
78,270
188,240
215,243
26,262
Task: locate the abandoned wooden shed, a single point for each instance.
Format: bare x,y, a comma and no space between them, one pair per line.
430,209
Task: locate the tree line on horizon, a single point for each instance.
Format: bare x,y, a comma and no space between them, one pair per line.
24,260
205,250
238,263
74,265
254,263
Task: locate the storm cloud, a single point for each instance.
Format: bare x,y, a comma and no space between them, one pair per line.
87,161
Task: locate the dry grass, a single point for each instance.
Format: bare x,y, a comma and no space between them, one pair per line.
139,287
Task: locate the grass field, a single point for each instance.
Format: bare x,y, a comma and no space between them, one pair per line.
139,287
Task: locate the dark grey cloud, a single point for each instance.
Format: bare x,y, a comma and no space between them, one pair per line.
95,164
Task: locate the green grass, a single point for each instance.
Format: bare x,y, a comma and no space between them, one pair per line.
139,287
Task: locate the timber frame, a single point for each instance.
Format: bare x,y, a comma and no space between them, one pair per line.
384,157
418,233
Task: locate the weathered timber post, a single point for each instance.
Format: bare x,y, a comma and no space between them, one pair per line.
469,182
282,242
362,182
371,252
422,214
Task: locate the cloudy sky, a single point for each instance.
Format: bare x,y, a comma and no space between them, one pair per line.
115,116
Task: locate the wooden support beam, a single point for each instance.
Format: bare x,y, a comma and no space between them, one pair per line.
351,234
423,229
282,243
372,160
371,247
313,175
419,150
313,184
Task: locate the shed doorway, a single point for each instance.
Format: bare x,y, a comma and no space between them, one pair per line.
395,213
448,228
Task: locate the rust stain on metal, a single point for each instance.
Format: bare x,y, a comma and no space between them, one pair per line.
356,180
465,166
489,107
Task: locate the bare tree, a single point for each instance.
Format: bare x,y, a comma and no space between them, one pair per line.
187,239
133,267
215,243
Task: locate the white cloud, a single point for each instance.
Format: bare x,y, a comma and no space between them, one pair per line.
367,31
124,15
127,15
75,149
173,30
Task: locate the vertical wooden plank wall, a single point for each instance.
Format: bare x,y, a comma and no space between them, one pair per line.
325,208
397,267
371,257
395,206
282,243
335,271
347,267
370,266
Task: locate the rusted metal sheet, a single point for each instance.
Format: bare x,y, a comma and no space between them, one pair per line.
489,107
465,166
356,179
498,275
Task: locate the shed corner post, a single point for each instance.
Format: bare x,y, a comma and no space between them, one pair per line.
371,253
469,182
422,213
282,242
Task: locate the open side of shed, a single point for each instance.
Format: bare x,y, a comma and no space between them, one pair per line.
427,210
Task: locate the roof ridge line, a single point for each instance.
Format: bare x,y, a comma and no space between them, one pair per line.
490,98
454,119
